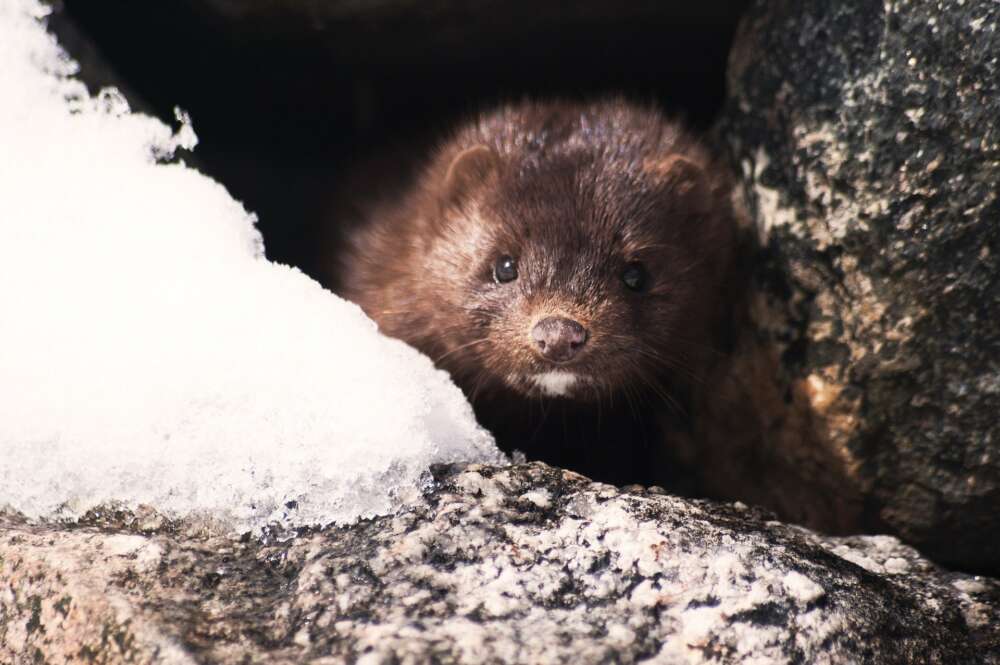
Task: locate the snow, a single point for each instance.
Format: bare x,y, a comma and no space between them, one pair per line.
150,354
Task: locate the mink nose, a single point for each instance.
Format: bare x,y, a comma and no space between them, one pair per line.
558,339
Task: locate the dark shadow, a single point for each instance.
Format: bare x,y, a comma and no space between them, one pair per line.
286,105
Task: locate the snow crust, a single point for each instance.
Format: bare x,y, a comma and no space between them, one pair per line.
150,354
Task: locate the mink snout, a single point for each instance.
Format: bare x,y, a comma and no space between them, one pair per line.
558,339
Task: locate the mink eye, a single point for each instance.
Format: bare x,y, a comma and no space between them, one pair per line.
634,276
505,269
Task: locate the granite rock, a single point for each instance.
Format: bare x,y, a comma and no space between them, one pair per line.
515,565
866,135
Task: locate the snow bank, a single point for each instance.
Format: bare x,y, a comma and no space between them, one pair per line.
149,354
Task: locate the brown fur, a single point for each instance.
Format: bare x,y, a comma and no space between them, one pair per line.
575,193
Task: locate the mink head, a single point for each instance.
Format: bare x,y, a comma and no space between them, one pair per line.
572,252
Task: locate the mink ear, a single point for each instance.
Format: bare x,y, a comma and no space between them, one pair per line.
470,168
681,177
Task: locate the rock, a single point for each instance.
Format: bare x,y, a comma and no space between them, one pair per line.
519,564
867,138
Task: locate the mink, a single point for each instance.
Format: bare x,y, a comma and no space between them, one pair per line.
567,264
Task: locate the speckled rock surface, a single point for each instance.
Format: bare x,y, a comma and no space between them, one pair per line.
526,564
868,141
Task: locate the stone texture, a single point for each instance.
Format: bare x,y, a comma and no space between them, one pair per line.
867,138
520,564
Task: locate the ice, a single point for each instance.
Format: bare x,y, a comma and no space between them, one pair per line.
149,354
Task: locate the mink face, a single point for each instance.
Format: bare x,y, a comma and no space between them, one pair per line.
561,251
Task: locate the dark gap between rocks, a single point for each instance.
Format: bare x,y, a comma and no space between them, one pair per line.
289,98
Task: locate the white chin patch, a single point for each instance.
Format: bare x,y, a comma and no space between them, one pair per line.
555,383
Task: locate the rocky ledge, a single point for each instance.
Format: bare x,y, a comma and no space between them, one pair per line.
519,564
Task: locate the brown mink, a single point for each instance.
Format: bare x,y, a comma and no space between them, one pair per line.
566,264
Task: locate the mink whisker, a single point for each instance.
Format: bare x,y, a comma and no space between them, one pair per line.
460,347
